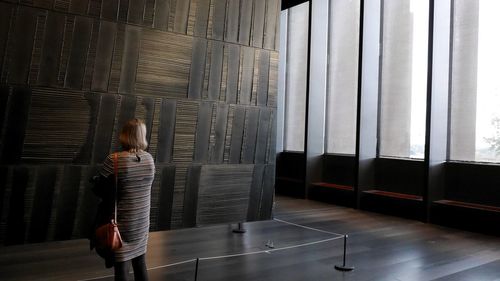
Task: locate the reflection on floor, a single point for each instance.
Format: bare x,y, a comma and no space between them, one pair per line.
304,242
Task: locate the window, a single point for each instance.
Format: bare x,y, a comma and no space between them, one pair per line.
296,77
475,90
403,80
342,76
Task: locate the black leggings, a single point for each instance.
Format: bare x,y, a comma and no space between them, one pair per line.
139,266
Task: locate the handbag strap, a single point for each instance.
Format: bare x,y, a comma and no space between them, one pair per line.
115,168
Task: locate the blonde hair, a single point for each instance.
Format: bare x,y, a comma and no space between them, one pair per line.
133,135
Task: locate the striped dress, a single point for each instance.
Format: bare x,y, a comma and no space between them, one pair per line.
135,176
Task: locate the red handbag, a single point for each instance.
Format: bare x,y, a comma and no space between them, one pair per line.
108,236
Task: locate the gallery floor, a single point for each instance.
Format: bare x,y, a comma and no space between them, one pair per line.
303,242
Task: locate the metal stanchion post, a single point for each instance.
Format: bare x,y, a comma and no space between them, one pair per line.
343,267
240,228
196,269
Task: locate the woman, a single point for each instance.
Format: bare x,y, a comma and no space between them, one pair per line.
135,175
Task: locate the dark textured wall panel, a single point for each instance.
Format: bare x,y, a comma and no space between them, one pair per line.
250,135
129,59
191,196
78,7
220,197
104,128
78,54
126,111
181,16
104,54
164,64
51,50
215,77
270,27
6,12
233,66
259,13
201,24
203,132
162,13
66,203
263,83
255,193
42,204
123,10
218,19
185,130
16,120
232,19
238,123
136,10
166,197
218,136
267,198
56,131
271,144
166,131
272,92
262,136
20,46
246,75
86,205
16,226
197,71
84,153
109,9
245,21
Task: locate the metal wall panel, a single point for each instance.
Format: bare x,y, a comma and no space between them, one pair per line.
20,47
201,24
237,125
6,12
166,197
181,16
272,13
78,7
15,126
255,193
102,67
263,83
203,132
217,185
262,136
233,66
166,131
136,11
162,14
164,64
129,59
259,13
217,142
232,20
218,19
246,75
51,50
191,196
78,53
214,82
16,226
250,135
104,128
197,71
245,22
109,9
66,202
42,204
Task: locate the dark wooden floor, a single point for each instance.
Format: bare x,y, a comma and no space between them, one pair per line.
380,248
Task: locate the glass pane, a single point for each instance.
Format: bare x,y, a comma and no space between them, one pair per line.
342,76
403,78
296,75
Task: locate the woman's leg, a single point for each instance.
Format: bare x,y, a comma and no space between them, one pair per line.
121,271
140,270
